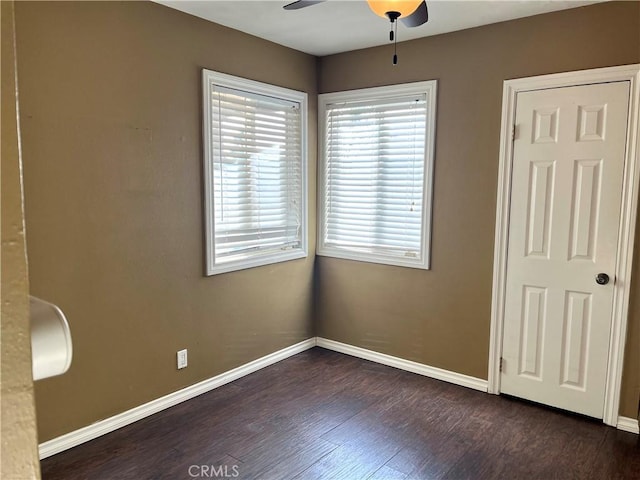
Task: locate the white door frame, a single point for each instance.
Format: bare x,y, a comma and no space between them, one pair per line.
626,229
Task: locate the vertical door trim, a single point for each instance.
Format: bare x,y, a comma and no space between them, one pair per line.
631,177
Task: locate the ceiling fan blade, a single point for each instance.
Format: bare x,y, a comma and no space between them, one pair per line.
418,17
301,4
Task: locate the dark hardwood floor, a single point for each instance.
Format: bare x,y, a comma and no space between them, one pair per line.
321,414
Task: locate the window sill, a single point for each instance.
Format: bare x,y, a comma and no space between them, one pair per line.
232,266
422,263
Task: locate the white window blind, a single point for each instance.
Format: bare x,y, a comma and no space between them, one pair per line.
375,164
256,175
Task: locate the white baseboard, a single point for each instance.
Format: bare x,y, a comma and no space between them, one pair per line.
402,364
110,424
123,419
624,423
628,425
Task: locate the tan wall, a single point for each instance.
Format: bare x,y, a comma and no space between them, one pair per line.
19,437
110,98
441,317
111,121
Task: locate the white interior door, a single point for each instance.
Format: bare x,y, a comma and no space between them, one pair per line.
567,176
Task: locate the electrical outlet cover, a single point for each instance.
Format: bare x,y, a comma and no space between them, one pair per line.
182,358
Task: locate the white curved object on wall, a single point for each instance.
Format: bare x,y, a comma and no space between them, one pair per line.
51,348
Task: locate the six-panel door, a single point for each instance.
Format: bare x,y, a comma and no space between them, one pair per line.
569,150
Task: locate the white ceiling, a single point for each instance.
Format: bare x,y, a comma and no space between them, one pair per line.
341,25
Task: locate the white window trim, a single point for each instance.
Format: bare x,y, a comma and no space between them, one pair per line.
429,89
210,77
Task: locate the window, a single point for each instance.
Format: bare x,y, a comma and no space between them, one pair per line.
255,173
376,169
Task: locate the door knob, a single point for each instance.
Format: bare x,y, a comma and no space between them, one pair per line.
602,279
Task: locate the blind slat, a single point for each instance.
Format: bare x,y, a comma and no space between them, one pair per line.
374,175
257,173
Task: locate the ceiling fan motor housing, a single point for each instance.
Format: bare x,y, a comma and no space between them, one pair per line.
393,16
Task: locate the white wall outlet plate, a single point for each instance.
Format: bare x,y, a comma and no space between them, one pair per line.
182,358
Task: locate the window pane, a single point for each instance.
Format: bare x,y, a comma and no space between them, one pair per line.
256,171
375,158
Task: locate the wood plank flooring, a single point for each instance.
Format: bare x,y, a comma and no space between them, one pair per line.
324,415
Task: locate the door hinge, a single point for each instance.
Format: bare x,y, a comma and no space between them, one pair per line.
514,132
501,363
